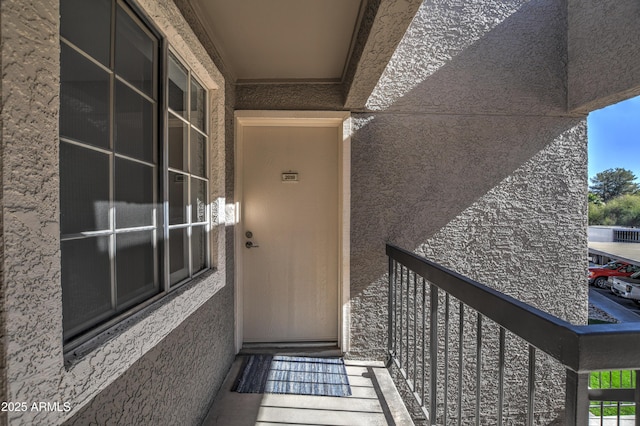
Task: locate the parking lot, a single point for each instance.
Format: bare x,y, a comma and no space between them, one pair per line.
626,303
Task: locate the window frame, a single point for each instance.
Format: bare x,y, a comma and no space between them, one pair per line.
101,324
167,113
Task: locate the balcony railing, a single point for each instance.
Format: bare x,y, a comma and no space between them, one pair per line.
462,347
626,236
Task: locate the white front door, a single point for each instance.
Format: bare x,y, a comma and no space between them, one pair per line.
289,233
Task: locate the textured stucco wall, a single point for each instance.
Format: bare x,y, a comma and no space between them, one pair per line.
3,373
30,233
499,199
604,58
469,156
174,383
289,97
473,100
169,359
383,25
479,56
492,197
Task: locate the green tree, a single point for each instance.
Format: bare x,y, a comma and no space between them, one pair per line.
612,183
625,210
595,199
621,211
596,214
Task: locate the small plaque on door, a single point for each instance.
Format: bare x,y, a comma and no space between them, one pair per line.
290,177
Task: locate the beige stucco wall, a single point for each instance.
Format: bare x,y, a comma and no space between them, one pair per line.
180,346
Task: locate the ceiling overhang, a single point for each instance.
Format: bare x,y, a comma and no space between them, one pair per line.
279,41
304,47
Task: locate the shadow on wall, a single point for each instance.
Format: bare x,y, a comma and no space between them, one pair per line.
479,57
469,164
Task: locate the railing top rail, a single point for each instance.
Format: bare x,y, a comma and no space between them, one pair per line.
578,347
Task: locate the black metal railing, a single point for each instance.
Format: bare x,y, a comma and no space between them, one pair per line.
615,410
461,348
626,236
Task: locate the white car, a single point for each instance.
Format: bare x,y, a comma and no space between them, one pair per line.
627,287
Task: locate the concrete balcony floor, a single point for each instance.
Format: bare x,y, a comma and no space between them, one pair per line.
374,401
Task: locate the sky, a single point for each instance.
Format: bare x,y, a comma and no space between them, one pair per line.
614,137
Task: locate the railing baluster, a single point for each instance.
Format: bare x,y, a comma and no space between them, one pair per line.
601,402
501,375
478,366
460,362
433,353
532,385
415,331
636,395
390,304
446,357
401,313
407,324
564,342
577,398
408,369
620,385
424,337
395,310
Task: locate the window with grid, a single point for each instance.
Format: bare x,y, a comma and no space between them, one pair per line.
133,172
187,170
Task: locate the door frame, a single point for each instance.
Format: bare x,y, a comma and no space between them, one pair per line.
340,120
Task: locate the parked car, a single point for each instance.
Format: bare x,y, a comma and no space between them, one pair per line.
627,287
598,276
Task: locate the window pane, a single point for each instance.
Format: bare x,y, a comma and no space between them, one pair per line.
198,200
134,134
199,248
198,153
135,53
86,283
135,265
87,24
177,87
84,189
84,99
178,255
133,194
177,143
178,198
197,105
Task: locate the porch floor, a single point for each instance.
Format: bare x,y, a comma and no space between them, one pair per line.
374,401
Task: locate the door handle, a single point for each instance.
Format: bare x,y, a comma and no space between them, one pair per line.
250,244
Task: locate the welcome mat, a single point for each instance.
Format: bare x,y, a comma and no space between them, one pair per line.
293,375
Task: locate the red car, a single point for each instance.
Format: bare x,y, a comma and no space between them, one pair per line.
598,275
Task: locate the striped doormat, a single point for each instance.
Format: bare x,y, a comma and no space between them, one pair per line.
293,375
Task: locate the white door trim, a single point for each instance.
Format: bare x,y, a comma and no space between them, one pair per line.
342,121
